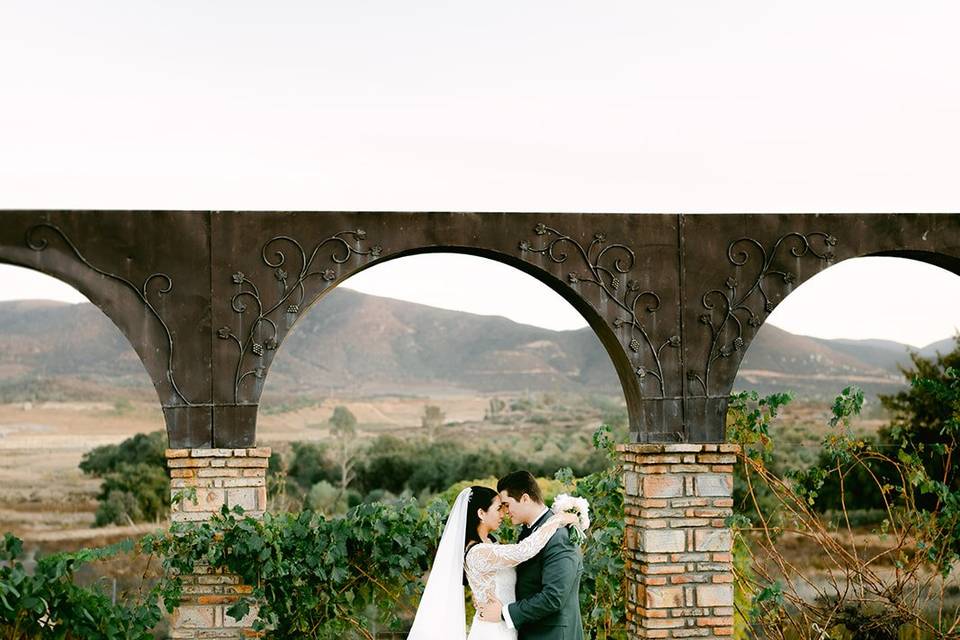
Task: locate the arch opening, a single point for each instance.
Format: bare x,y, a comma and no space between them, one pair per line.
71,384
855,323
458,383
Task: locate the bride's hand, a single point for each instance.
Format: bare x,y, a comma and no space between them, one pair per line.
569,518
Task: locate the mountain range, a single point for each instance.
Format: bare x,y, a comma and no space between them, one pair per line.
354,343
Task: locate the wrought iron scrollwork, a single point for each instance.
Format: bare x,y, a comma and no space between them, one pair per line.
35,241
728,307
290,296
606,265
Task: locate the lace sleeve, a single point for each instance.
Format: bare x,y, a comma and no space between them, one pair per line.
498,556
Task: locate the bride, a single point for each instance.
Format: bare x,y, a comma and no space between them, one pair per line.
466,549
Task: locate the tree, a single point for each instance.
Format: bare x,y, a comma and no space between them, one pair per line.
311,463
133,493
146,448
495,409
432,420
388,464
135,484
923,416
343,428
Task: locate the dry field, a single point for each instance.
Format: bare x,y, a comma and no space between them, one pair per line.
43,494
45,499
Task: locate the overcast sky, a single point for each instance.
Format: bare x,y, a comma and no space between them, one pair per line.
503,106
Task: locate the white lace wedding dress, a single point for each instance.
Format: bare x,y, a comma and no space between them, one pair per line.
490,570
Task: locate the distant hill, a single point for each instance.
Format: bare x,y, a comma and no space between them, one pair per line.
361,344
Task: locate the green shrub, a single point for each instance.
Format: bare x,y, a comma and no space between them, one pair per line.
135,486
47,604
145,448
133,493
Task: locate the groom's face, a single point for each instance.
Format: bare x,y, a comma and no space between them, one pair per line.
516,508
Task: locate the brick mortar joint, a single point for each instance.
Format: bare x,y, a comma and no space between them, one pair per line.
677,448
248,452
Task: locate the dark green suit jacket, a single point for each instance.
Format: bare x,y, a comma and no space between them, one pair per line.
548,590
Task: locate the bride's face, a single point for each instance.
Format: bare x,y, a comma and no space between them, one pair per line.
492,516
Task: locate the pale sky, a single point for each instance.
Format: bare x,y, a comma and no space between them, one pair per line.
497,106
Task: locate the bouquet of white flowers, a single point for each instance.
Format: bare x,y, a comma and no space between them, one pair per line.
564,503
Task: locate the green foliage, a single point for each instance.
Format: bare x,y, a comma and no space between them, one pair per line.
926,417
744,578
135,485
432,420
749,420
919,510
343,422
310,464
47,604
603,582
388,464
748,424
329,500
145,448
313,576
133,493
419,466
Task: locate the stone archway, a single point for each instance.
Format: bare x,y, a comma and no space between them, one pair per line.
674,298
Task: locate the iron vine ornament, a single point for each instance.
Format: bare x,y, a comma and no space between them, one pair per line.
142,291
605,266
752,302
290,294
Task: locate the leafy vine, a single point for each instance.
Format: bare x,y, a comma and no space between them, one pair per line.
142,291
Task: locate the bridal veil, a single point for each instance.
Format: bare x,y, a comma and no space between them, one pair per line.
442,611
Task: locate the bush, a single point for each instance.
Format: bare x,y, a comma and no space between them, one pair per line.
327,499
47,603
310,464
145,448
856,593
133,493
135,487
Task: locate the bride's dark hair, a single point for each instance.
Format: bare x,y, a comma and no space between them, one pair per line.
480,498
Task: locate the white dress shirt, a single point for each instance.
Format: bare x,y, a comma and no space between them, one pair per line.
505,612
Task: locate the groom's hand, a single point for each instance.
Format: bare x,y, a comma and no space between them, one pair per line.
490,612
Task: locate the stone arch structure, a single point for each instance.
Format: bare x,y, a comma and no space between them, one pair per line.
207,297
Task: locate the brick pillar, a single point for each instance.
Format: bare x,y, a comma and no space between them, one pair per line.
221,477
679,563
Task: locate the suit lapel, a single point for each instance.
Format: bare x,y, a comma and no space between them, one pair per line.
546,516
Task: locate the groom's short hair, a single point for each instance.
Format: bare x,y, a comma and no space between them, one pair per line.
518,483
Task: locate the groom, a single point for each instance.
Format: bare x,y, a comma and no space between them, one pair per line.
548,585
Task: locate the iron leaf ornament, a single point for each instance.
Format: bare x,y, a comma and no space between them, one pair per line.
606,265
728,307
291,267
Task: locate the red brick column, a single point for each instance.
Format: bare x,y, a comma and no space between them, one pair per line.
220,477
679,562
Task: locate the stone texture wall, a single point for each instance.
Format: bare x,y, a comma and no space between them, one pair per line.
220,477
679,562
